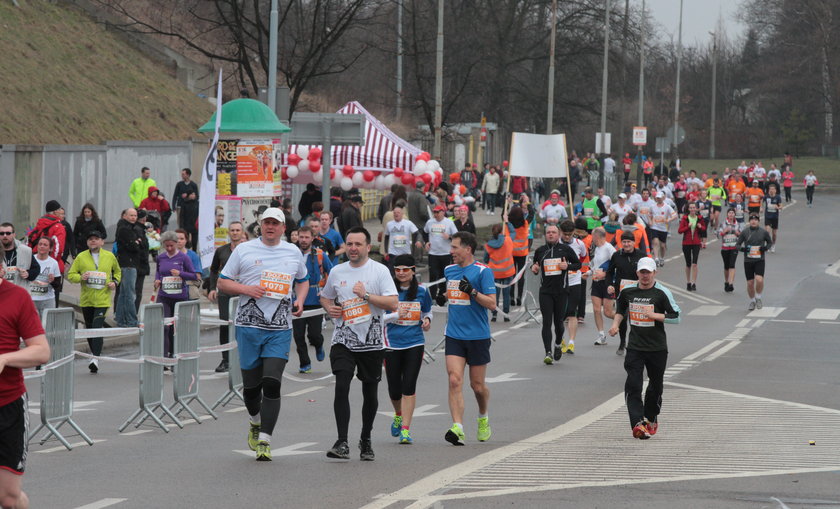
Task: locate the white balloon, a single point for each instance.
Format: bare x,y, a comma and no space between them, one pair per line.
420,167
433,165
346,183
456,190
379,182
458,200
292,172
303,151
389,180
304,165
318,177
358,179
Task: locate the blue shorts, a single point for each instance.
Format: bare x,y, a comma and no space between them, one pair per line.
476,351
256,344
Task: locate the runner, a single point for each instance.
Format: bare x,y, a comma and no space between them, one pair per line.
318,265
787,183
399,235
755,242
622,270
662,214
439,230
810,182
717,195
577,290
18,322
261,272
772,206
602,252
622,208
553,211
41,289
728,233
356,296
691,225
471,292
648,306
704,210
174,269
755,195
404,344
555,260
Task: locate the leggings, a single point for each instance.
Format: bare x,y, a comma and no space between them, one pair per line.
635,364
341,404
553,309
519,262
729,256
402,367
261,391
168,333
787,194
809,193
691,254
94,319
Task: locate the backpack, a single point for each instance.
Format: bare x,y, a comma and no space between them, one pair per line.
36,233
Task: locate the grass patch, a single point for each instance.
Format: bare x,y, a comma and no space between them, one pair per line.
70,81
827,170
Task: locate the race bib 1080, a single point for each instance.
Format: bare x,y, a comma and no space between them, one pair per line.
355,310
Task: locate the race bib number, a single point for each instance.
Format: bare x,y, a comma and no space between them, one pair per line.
437,229
729,240
11,272
659,219
704,213
551,267
680,194
588,212
39,287
400,240
97,280
172,285
754,252
355,311
456,297
644,211
755,198
638,314
276,284
409,313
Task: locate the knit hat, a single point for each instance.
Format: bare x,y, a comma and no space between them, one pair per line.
628,236
52,206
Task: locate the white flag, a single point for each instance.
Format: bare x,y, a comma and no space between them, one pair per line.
207,196
539,155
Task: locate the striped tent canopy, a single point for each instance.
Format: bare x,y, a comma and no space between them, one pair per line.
383,150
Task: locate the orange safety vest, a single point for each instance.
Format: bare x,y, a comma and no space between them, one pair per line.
501,259
520,245
587,242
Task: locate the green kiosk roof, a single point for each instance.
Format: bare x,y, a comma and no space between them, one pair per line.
246,116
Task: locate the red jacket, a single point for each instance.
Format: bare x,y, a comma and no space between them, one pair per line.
155,203
53,229
691,238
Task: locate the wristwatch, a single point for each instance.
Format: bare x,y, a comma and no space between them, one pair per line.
367,296
473,293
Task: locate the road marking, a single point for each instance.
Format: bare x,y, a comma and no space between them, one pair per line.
504,377
519,325
696,297
707,310
744,323
289,450
237,409
78,406
62,448
823,314
306,380
833,269
786,321
717,353
421,411
105,502
758,323
711,346
138,432
303,391
782,505
766,312
832,323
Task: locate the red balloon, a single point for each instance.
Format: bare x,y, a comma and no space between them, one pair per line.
454,177
505,163
293,159
408,179
398,172
314,166
427,178
347,170
368,176
424,156
332,173
314,154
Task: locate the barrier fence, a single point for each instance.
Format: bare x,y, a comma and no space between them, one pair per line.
187,331
234,375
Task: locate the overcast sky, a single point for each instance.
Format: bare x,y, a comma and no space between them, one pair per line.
699,17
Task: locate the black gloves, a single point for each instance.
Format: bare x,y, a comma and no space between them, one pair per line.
465,286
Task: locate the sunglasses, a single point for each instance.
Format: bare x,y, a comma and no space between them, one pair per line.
403,269
7,233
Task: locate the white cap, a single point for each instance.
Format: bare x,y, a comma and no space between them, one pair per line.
660,194
622,196
273,213
647,264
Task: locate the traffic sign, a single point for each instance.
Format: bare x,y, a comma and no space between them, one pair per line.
662,144
603,146
640,135
680,135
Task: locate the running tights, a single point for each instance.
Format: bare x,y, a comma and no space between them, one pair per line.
553,309
402,367
691,253
261,391
519,262
341,404
809,194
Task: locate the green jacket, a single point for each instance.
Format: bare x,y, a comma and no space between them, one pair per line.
139,190
91,297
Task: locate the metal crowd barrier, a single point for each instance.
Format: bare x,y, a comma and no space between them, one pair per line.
187,331
57,379
235,384
151,372
531,296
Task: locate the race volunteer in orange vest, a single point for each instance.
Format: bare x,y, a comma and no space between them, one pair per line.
520,248
499,257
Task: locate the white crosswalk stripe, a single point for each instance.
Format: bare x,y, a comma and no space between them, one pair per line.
766,312
707,310
823,314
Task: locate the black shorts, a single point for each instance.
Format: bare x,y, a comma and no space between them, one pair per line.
599,289
772,222
715,208
476,351
657,234
573,300
752,269
729,256
691,254
14,435
366,365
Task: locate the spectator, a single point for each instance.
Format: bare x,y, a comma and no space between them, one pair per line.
87,222
310,196
21,266
157,207
188,218
131,250
385,204
139,189
183,189
351,215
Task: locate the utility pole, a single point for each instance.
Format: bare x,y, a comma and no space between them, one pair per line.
399,58
641,91
675,154
714,95
439,83
550,117
604,79
272,58
621,118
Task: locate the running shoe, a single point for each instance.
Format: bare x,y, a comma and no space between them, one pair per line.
365,450
564,347
580,320
507,319
493,319
602,339
484,432
455,435
688,286
305,369
558,352
693,287
620,351
751,306
94,366
319,353
652,427
405,436
758,304
263,451
571,349
548,360
773,248
223,367
253,435
640,431
340,450
396,426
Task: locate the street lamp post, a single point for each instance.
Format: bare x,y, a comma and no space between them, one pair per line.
675,140
714,95
604,80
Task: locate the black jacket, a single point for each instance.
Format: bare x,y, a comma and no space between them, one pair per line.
623,266
81,230
181,188
220,259
132,247
556,283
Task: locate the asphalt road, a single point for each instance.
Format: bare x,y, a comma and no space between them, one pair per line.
745,393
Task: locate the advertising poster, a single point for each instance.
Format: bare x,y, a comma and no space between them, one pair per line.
226,168
228,209
254,168
252,208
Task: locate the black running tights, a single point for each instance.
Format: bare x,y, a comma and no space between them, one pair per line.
341,404
553,309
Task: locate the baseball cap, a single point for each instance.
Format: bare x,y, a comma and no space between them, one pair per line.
754,216
622,196
660,194
273,213
439,207
647,264
356,198
95,233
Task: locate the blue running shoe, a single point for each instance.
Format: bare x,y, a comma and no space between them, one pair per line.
396,426
319,353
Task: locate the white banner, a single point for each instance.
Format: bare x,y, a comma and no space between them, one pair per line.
207,194
539,155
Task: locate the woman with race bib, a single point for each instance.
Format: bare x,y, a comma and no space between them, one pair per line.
728,233
41,289
173,269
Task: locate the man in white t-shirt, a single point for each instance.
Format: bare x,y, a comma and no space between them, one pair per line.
622,208
661,216
553,211
356,296
602,301
439,230
644,206
262,272
604,197
399,234
609,165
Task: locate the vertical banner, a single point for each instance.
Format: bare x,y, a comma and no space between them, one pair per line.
206,241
